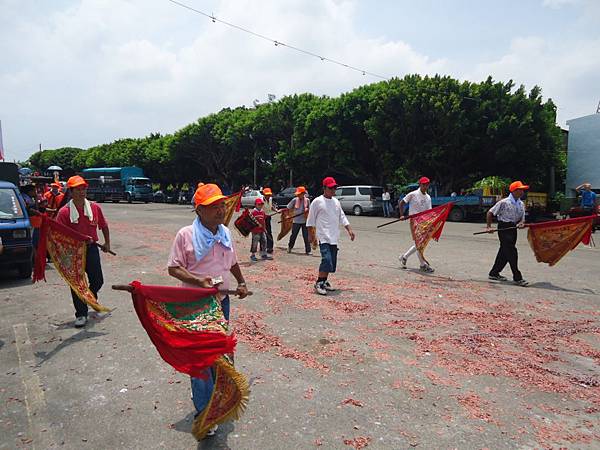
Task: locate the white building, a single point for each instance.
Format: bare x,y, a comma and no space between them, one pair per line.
583,158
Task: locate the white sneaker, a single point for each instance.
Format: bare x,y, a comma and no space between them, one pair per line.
320,288
403,261
328,286
212,431
80,321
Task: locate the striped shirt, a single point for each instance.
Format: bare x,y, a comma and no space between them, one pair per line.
509,209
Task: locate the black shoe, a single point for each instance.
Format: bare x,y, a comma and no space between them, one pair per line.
521,283
497,277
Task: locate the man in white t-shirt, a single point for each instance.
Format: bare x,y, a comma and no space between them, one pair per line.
326,215
418,201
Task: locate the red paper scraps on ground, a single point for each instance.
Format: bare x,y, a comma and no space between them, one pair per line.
550,241
358,442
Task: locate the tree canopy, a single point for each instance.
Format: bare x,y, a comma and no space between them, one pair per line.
387,132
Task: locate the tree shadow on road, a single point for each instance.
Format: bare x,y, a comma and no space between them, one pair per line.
81,335
216,442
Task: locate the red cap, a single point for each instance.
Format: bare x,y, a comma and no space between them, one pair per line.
424,180
329,182
259,201
517,185
76,181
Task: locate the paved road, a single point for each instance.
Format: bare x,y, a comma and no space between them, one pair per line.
394,359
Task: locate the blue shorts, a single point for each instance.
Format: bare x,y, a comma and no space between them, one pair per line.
328,258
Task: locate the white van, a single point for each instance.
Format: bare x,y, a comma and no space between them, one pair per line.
360,199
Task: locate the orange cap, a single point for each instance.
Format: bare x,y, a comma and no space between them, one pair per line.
300,190
207,194
267,191
76,181
56,185
517,185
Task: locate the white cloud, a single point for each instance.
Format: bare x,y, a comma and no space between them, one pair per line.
565,72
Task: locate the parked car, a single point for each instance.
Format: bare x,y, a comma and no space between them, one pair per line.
249,197
360,199
159,197
284,197
16,248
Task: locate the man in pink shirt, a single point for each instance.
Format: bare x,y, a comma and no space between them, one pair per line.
85,217
202,255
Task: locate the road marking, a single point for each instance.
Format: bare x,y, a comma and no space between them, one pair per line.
43,435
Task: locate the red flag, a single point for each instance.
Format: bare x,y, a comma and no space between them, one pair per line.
186,325
232,203
550,241
68,250
189,330
428,225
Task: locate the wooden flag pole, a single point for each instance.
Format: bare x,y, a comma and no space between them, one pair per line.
389,223
496,230
128,288
293,217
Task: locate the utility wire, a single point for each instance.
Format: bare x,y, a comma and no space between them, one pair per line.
278,43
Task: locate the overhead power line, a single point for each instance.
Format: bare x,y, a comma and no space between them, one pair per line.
278,43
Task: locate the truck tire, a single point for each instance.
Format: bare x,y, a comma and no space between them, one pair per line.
457,214
25,269
357,210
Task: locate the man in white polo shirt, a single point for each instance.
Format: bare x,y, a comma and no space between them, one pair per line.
417,201
326,215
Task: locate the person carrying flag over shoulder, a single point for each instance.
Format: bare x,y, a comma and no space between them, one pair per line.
510,213
417,201
326,215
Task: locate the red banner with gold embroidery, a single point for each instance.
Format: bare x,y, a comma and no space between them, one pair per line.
550,241
232,204
428,225
68,250
189,330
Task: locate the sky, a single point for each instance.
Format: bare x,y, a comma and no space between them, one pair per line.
85,72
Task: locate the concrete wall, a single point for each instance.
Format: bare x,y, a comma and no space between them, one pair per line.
583,159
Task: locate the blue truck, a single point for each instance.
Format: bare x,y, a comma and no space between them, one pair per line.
465,206
16,247
118,183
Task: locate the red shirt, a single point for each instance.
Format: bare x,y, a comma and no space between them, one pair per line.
84,226
259,215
